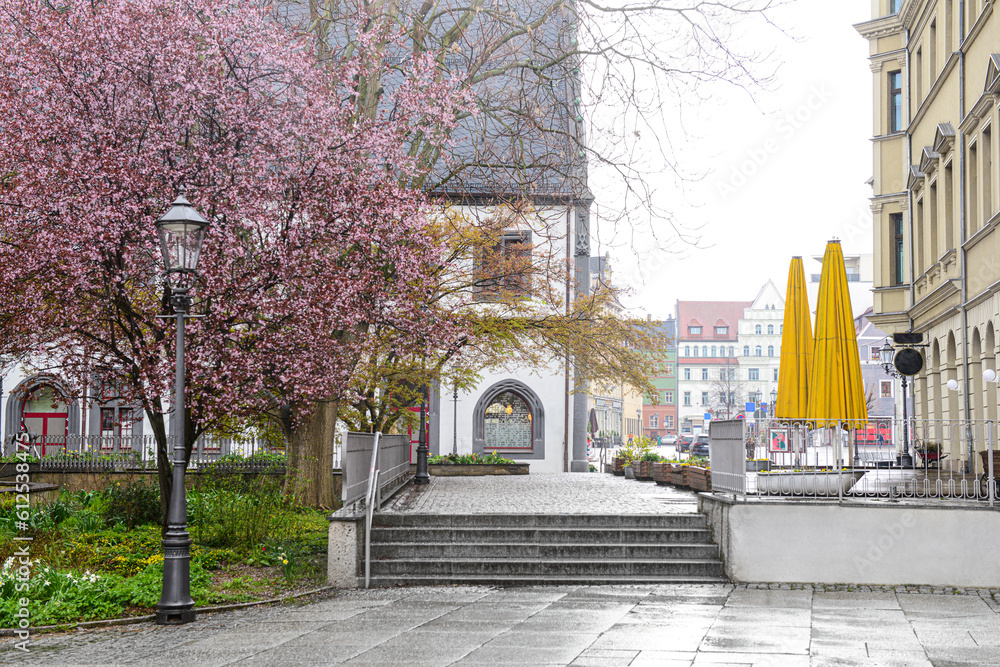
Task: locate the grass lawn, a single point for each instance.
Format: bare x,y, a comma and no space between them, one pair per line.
98,555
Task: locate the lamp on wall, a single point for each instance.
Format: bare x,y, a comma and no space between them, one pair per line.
990,375
953,385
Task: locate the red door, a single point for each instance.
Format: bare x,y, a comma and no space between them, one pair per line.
51,426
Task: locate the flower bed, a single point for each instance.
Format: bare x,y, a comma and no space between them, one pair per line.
661,473
678,475
807,482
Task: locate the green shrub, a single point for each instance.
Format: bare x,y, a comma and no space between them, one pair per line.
132,502
225,515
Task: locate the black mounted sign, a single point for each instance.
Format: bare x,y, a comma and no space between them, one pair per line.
907,338
908,361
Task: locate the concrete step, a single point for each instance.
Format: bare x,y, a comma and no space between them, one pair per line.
546,535
382,581
572,550
530,567
532,549
542,520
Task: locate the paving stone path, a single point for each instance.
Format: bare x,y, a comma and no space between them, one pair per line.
603,625
556,493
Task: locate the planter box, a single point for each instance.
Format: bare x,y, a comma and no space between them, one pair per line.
661,473
644,470
757,466
473,469
678,475
699,479
619,464
821,483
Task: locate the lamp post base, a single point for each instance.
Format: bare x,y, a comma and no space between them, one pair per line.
178,617
905,461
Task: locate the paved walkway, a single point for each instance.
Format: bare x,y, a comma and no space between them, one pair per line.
611,625
555,493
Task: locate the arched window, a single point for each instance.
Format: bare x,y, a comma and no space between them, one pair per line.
732,351
756,329
770,329
757,351
695,351
704,350
746,350
687,350
713,350
770,350
507,422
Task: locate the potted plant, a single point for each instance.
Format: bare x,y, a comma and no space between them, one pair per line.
632,453
645,469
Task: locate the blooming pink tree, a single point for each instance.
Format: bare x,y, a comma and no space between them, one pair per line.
107,108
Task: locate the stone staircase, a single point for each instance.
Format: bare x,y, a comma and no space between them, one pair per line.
533,549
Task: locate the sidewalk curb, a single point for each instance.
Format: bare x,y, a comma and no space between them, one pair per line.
11,632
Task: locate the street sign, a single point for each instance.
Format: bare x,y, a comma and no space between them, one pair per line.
708,416
751,406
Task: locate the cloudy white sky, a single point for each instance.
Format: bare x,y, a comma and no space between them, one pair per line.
788,170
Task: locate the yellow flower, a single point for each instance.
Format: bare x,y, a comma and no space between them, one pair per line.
285,562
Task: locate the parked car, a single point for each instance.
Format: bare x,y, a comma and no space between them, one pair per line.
668,441
684,443
700,448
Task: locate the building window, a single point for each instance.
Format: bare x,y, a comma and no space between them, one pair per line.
746,350
695,351
732,351
894,6
753,374
687,351
770,350
704,373
694,330
704,398
721,331
505,269
896,101
756,329
896,224
775,374
668,421
668,397
687,373
654,421
687,398
713,350
886,389
508,423
756,351
770,329
704,350
755,396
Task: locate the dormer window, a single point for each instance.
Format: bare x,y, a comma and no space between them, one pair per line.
694,330
721,331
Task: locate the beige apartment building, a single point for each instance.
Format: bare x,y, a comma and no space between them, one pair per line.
936,82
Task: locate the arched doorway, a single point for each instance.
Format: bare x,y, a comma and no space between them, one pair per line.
45,409
509,420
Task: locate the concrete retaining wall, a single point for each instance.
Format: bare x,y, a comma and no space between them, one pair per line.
875,544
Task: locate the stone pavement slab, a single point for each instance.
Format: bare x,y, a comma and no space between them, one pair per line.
541,493
689,625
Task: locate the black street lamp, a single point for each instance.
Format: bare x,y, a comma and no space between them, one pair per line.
422,476
886,357
181,231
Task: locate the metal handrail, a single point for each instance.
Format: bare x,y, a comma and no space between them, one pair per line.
372,496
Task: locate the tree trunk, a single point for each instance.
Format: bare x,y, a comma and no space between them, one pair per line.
309,471
164,469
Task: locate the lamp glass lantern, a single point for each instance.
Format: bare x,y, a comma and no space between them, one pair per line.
886,355
181,230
